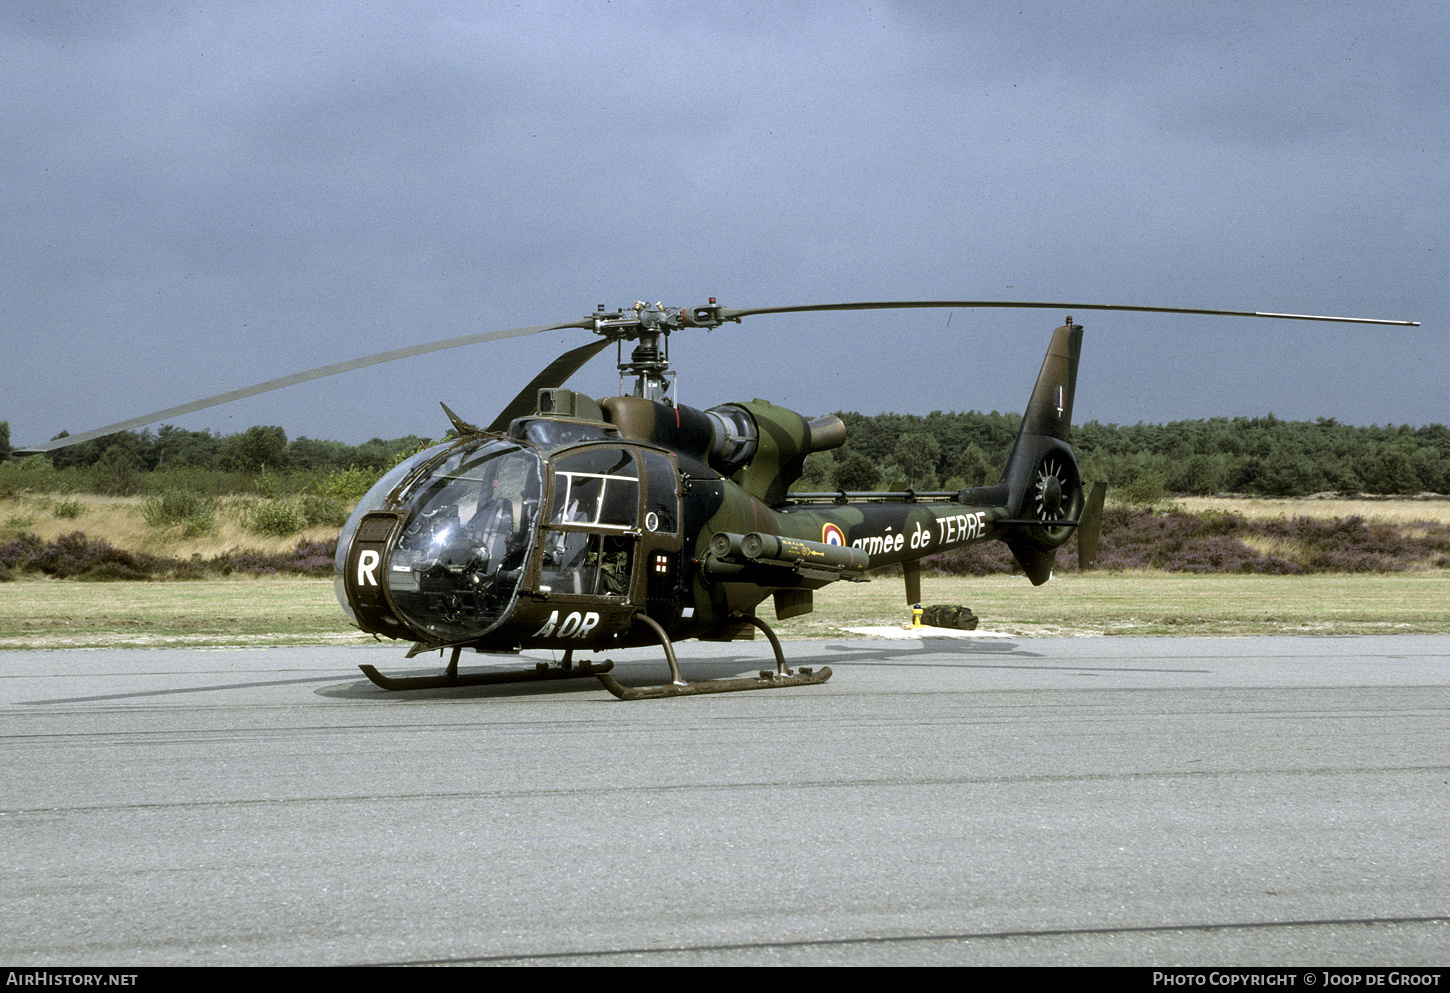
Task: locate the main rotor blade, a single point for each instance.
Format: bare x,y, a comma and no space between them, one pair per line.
300,377
735,313
555,374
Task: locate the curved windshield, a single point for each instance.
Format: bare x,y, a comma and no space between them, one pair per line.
455,567
374,499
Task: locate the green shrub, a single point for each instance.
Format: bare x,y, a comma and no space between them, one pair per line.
269,484
274,518
195,527
33,474
193,511
18,522
1143,490
199,479
68,509
318,510
346,485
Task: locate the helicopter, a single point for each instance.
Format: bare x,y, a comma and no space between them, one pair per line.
578,524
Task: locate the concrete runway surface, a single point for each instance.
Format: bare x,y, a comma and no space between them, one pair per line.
1153,801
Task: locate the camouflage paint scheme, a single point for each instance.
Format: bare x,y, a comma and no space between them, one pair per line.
574,524
735,538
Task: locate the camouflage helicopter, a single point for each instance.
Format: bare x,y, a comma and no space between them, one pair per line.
574,524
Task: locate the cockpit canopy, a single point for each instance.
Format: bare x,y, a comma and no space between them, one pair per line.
440,548
454,567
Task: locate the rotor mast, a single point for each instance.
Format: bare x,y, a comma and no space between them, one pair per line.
649,362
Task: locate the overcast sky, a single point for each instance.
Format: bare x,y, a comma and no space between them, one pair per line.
199,196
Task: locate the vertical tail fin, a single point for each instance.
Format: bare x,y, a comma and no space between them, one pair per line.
1041,476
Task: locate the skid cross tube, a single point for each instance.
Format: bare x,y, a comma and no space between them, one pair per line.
767,680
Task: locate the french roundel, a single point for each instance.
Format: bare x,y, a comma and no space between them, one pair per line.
831,535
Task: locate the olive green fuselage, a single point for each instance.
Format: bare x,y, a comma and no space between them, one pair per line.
627,517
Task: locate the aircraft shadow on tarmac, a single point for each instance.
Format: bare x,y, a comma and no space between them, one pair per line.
650,669
643,668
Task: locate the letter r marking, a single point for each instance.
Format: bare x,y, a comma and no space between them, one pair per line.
367,563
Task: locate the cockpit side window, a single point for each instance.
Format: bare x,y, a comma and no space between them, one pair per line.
588,548
598,487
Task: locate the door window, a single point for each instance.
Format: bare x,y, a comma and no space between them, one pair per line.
589,543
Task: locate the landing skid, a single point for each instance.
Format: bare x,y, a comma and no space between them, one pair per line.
767,680
452,677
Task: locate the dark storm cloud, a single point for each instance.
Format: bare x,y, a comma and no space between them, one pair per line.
202,197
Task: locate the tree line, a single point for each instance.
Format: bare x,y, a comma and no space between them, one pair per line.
1264,456
253,450
1260,455
260,459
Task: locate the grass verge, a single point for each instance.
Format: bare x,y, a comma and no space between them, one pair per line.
57,614
1152,603
50,613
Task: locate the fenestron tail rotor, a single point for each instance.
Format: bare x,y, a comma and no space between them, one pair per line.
1049,488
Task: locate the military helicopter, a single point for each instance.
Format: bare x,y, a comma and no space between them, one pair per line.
574,524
